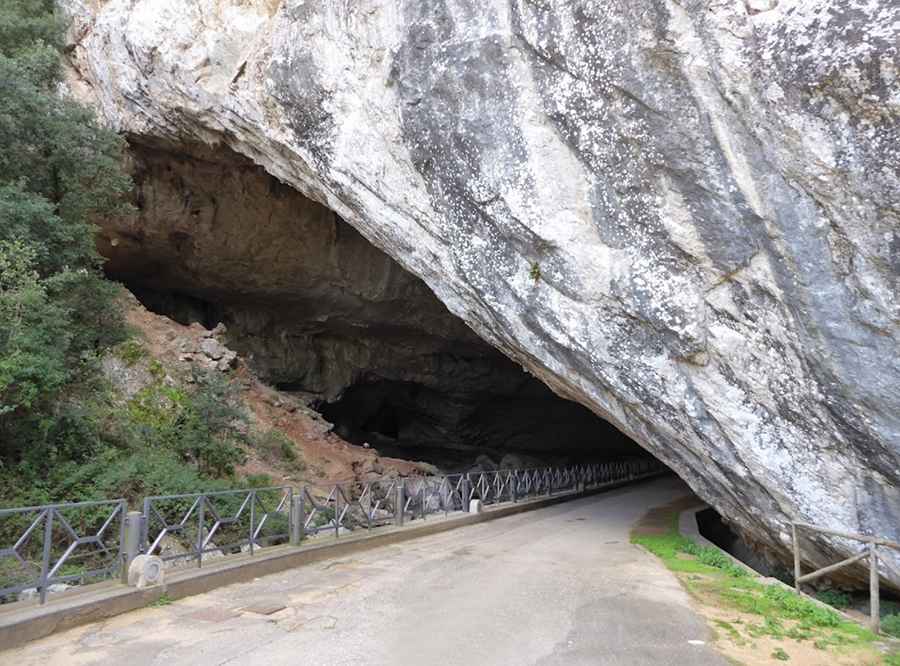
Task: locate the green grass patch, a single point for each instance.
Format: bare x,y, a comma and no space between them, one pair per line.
164,600
731,631
783,614
672,548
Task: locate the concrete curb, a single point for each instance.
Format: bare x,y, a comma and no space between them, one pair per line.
22,622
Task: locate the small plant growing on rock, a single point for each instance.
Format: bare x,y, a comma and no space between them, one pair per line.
131,352
274,446
535,271
780,654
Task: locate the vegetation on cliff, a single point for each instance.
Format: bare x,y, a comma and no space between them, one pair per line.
65,433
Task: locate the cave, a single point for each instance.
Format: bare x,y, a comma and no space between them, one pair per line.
318,311
452,427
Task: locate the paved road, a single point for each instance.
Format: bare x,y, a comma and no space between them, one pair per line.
560,585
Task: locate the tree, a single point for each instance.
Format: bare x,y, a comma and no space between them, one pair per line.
32,333
59,171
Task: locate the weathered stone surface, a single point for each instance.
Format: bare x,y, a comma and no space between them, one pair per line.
682,214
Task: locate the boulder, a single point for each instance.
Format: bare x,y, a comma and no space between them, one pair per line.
212,348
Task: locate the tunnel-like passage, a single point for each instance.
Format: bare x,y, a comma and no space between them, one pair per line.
452,428
319,311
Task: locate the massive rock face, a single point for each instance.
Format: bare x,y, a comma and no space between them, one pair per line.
682,214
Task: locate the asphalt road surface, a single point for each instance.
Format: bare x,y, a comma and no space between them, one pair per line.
560,585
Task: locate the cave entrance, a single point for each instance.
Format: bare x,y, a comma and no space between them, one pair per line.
516,424
317,310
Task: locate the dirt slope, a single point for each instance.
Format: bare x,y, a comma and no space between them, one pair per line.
321,456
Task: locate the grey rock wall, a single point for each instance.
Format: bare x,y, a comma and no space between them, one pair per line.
682,214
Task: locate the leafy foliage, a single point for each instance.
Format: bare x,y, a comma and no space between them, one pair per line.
166,440
274,447
834,598
58,170
33,336
714,557
890,624
201,426
669,546
64,433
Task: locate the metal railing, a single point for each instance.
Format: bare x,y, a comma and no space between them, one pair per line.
347,507
66,543
870,553
59,544
187,527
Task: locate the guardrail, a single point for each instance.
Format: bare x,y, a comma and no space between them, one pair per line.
347,507
870,553
59,544
72,543
187,527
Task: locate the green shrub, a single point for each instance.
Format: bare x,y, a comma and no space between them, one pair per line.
274,447
167,440
257,481
200,424
59,171
789,604
131,352
834,598
890,624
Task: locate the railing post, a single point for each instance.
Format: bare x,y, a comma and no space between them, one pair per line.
298,519
252,518
874,593
201,502
337,512
466,484
549,481
513,483
145,526
131,541
400,503
796,545
422,498
45,555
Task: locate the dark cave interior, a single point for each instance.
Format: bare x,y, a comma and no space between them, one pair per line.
317,310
